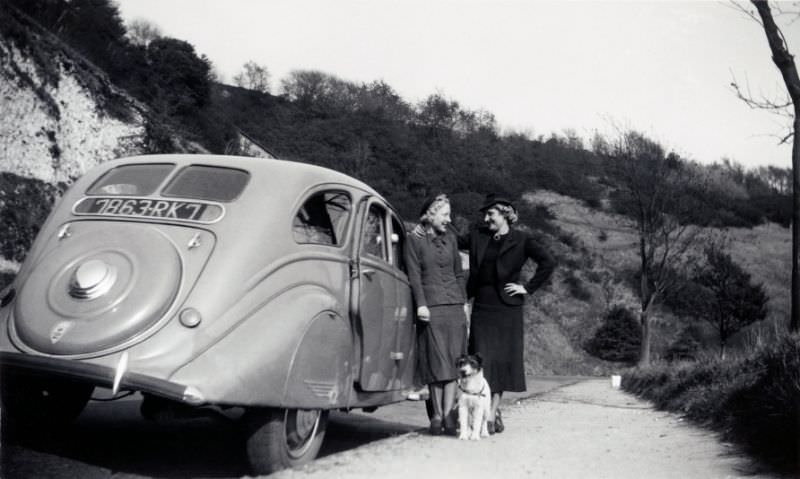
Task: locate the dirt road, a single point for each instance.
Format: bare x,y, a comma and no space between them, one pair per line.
571,428
584,430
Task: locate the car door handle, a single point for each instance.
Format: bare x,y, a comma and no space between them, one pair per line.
368,272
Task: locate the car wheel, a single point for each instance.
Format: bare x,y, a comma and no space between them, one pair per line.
34,403
280,438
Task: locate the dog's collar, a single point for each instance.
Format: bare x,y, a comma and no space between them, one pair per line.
479,393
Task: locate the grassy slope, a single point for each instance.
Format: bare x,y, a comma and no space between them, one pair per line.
599,248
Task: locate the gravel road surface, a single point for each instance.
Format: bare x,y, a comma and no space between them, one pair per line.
561,428
583,430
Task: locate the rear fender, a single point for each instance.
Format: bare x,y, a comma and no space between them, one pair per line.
252,364
321,373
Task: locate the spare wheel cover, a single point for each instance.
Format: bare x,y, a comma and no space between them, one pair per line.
98,288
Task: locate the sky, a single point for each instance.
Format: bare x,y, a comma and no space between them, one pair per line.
541,67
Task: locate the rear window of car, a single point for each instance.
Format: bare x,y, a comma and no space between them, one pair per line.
211,183
131,180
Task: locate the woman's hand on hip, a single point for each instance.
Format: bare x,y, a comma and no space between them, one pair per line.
423,313
513,289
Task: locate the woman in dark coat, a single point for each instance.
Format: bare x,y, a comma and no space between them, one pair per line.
437,283
497,254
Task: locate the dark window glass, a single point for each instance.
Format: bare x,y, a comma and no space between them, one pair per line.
207,183
398,243
373,241
131,180
322,219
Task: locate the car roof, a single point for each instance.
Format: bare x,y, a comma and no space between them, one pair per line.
269,173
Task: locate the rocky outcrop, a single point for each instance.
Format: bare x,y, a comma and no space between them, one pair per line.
59,116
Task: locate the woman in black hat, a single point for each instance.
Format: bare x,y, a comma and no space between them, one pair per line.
437,283
497,254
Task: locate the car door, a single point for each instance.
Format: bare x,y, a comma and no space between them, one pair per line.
405,331
377,300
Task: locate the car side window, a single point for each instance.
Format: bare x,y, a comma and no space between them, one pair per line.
373,241
398,243
322,219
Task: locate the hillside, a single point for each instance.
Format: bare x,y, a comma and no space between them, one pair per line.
62,115
603,254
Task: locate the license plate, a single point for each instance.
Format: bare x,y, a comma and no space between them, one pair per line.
149,208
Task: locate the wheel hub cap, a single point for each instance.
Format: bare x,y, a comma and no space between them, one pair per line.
92,279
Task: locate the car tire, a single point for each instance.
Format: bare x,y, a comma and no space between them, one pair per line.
280,438
31,404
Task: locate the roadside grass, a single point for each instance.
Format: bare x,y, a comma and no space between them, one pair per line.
752,400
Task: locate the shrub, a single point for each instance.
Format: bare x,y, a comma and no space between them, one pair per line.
576,287
618,338
538,217
684,347
24,205
765,416
751,401
568,239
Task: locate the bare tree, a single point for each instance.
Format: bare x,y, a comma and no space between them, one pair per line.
253,77
791,107
141,32
653,192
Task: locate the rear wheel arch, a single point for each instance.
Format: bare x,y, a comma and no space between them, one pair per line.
321,370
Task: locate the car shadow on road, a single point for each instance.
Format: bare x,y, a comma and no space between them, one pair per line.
111,439
348,431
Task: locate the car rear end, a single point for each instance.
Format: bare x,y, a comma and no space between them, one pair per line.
110,271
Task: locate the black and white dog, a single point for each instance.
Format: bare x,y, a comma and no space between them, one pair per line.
474,398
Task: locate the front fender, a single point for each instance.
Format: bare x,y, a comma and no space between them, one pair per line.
261,361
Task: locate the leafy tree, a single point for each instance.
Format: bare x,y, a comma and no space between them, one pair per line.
142,32
438,113
726,297
180,79
379,99
253,77
93,27
618,338
320,92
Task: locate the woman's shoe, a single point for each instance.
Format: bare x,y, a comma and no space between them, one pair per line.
436,427
451,424
498,422
490,427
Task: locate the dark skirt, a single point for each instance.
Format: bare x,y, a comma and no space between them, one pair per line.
440,342
496,333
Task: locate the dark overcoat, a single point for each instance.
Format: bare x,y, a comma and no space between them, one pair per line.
517,248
